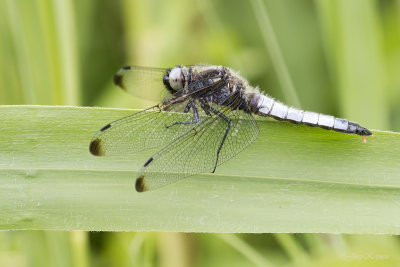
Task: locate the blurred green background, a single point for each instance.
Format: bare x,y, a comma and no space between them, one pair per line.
337,57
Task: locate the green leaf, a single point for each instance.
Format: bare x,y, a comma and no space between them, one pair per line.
294,178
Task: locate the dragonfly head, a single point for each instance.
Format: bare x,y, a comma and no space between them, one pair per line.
174,79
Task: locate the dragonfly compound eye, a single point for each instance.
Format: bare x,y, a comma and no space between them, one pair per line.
176,78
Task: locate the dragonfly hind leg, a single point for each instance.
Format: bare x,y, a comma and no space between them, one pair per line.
209,109
195,115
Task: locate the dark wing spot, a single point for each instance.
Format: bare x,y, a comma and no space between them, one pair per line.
119,80
126,67
95,148
141,184
105,127
148,162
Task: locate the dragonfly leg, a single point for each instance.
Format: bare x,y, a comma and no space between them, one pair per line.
208,109
205,107
188,106
175,100
195,115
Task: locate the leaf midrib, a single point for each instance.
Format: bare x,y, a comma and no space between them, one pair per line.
270,178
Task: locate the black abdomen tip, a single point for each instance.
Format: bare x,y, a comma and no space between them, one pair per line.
355,128
140,184
365,131
95,148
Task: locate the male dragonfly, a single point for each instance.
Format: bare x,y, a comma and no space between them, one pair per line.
206,120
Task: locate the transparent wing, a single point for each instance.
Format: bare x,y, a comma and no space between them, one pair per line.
150,128
140,131
196,151
143,82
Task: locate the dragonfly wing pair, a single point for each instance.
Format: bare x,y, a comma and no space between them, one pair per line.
194,135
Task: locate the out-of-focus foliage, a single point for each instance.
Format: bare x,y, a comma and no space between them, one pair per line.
342,57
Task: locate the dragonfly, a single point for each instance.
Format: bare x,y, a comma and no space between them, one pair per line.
206,119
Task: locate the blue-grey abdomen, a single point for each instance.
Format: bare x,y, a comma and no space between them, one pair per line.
267,106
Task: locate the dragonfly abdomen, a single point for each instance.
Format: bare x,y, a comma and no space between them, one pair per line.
267,106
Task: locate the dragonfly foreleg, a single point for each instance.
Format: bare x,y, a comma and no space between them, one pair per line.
195,115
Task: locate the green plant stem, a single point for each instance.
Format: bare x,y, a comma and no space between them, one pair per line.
294,178
275,53
66,29
242,247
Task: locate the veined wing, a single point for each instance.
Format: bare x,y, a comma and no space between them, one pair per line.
196,151
143,82
143,130
149,128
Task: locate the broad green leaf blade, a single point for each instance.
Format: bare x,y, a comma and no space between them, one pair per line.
292,179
